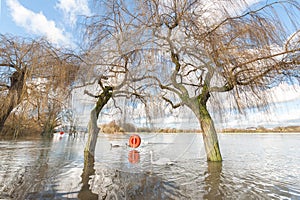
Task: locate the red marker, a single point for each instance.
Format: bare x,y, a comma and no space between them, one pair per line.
134,141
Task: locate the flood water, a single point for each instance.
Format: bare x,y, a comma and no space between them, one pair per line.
165,166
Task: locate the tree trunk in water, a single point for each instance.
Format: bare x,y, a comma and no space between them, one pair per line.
209,134
93,129
93,133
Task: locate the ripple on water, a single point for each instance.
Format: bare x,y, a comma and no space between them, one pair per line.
254,167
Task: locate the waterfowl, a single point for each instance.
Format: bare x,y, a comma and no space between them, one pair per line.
160,161
114,145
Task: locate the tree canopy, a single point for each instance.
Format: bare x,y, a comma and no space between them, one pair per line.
34,76
200,49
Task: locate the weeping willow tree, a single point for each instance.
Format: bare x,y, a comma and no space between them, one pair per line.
33,77
195,50
206,48
115,61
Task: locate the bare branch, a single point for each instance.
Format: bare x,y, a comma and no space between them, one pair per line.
171,103
90,94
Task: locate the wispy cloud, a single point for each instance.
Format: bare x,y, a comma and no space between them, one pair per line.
36,23
73,8
285,92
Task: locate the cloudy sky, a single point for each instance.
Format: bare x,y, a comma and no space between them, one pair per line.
56,20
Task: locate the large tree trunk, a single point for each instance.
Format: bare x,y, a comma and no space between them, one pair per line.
14,96
9,104
93,129
93,133
209,134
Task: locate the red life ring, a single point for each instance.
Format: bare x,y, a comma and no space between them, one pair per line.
133,156
134,141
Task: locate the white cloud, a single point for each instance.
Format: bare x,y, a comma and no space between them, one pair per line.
73,8
215,11
279,114
36,23
285,92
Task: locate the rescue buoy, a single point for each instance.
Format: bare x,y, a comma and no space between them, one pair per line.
134,141
134,156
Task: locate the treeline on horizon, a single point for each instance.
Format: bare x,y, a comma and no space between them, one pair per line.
261,129
120,127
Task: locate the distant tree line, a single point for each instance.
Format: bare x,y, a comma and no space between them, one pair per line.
261,129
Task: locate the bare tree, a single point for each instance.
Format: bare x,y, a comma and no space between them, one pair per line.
34,73
207,49
115,59
196,51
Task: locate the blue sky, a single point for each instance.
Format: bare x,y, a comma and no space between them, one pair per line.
55,20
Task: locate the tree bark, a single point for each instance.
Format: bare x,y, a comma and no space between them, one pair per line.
14,96
209,133
8,106
93,133
93,129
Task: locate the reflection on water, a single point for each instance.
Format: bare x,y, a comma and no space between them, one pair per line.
88,170
255,166
212,180
134,156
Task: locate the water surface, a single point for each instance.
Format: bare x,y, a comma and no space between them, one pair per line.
165,166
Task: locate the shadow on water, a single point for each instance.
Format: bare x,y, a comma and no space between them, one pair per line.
88,171
213,181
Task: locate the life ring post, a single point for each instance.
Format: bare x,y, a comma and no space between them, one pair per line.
134,141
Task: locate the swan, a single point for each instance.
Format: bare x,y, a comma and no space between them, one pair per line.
114,145
160,161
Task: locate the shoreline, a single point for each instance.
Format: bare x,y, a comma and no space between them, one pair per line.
113,128
218,132
287,130
260,133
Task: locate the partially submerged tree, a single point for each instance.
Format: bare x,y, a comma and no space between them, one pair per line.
216,48
197,49
36,73
116,60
